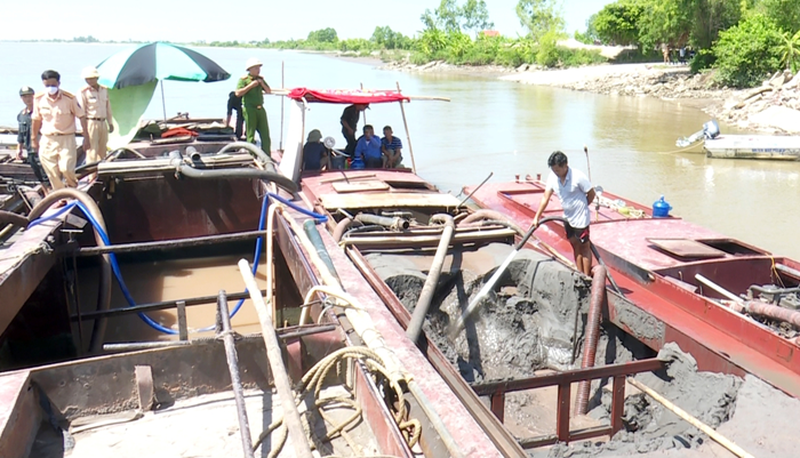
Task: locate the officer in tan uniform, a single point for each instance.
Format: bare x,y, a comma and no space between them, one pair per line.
54,113
95,103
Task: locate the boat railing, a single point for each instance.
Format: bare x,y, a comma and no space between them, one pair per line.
618,372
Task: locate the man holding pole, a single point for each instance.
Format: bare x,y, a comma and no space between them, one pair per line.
575,193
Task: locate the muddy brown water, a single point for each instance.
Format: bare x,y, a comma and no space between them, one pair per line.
489,125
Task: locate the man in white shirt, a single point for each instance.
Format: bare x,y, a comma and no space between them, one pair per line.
575,192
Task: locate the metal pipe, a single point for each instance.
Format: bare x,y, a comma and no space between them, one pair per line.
154,306
484,214
773,311
291,416
463,201
592,335
313,234
722,291
251,148
233,368
16,219
432,280
394,223
408,135
240,172
410,240
104,291
169,244
341,227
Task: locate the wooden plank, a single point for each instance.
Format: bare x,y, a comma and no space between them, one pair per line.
366,185
388,200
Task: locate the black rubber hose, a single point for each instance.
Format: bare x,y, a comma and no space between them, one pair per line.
104,291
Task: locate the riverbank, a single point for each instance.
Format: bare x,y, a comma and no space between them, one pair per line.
772,108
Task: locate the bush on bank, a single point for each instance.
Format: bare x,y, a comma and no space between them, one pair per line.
748,52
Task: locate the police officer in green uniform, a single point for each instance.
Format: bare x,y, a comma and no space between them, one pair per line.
24,135
250,88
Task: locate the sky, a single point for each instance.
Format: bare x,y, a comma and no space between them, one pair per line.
196,20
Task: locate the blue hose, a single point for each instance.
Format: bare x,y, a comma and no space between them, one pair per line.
115,266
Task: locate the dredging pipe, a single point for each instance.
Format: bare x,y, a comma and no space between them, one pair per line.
251,148
240,172
341,228
394,223
104,292
494,216
739,305
592,335
432,280
16,219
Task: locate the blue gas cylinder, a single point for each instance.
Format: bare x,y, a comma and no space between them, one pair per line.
357,163
661,208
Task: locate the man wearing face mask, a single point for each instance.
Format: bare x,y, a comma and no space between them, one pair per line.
54,113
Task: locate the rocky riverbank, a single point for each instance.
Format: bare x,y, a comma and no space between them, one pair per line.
774,107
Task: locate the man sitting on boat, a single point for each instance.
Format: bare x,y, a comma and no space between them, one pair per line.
368,149
391,147
575,192
315,154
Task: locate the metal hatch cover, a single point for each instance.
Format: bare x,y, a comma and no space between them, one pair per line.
687,248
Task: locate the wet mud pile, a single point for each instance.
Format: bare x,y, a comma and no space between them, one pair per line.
534,321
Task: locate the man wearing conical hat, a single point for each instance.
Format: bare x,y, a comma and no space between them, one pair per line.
95,103
251,88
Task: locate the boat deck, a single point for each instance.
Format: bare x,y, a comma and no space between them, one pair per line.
654,262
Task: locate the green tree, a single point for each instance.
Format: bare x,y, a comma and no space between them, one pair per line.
387,38
790,51
473,16
540,17
618,22
678,22
748,52
785,13
327,35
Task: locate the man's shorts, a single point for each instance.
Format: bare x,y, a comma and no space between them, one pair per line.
579,233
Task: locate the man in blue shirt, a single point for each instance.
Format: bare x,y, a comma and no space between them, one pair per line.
392,149
368,149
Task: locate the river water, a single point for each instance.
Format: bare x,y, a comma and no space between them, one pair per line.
489,126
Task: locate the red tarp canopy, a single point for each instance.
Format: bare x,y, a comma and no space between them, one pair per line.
346,96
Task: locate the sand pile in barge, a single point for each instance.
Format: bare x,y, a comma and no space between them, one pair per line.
530,325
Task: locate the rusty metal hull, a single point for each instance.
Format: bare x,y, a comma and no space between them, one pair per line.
662,302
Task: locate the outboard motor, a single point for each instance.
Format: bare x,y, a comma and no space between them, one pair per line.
711,129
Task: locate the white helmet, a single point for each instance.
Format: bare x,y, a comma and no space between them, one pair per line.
252,62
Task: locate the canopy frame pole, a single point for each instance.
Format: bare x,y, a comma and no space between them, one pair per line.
163,102
283,85
365,111
408,135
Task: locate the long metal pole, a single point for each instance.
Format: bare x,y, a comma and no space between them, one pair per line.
408,135
170,244
233,368
291,416
163,101
283,85
155,306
